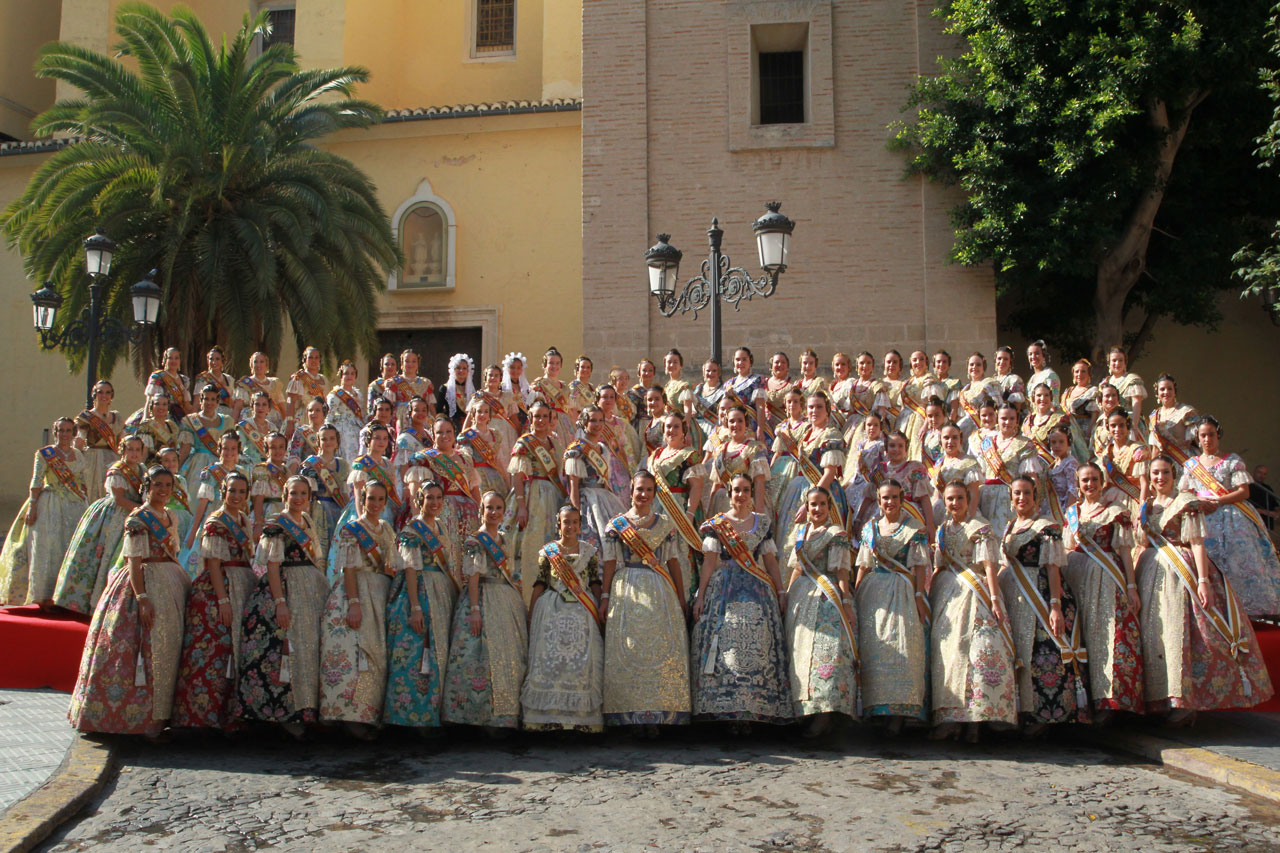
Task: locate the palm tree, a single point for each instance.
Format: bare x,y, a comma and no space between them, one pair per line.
200,161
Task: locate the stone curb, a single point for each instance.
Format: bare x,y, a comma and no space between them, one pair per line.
1221,769
82,773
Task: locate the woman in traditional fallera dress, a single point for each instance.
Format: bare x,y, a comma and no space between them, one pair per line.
1234,536
259,379
413,437
564,687
738,651
181,501
782,464
863,469
707,396
1099,569
646,649
1099,434
746,389
535,474
810,382
209,479
1004,456
956,466
892,380
98,433
971,651
893,612
419,615
683,471
1199,648
373,467
1041,372
327,473
618,431
1080,401
594,476
378,388
823,445
448,465
917,489
452,399
979,389
776,387
739,455
1054,675
156,429
649,427
95,547
200,432
132,652
1043,418
1171,427
581,392
1128,385
486,446
267,479
916,391
489,645
551,389
646,373
305,439
42,530
279,678
505,408
215,360
821,620
861,396
347,411
175,385
1124,462
305,385
211,640
255,428
353,629
1011,385
951,384
1060,491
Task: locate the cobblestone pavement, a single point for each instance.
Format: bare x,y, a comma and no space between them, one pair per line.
695,791
34,737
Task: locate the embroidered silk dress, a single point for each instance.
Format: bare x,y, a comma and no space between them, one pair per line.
597,496
646,648
306,386
267,482
965,468
1051,689
347,414
971,398
32,556
365,470
225,384
156,435
328,487
1172,431
279,677
206,686
823,663
247,386
1193,659
1130,387
972,665
1082,405
485,674
1018,456
824,448
102,435
353,661
1012,388
202,438
747,391
253,440
1049,377
128,672
706,405
489,452
564,688
916,391
1062,478
1111,632
544,494
416,662
856,399
738,648
863,471
1236,544
555,393
731,459
893,643
679,468
95,546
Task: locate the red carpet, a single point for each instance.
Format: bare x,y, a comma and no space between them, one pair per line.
1269,645
40,650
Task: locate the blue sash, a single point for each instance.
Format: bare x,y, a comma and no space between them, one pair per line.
236,531
495,552
433,543
366,543
299,535
156,528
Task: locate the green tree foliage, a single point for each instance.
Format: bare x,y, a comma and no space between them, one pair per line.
1259,265
200,161
1061,122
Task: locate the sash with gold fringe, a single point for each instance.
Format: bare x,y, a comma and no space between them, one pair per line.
101,427
978,587
737,548
677,513
1211,485
635,542
59,467
566,575
1109,562
824,584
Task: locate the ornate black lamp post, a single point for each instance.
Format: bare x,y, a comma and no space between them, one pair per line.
91,327
718,280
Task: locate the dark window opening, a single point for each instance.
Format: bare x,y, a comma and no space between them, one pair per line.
782,87
282,21
495,25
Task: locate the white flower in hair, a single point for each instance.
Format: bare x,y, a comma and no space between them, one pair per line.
451,387
525,389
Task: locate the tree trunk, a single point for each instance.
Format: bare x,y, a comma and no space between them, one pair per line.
1122,265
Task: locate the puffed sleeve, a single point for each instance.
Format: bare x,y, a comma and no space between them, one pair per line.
710,544
1122,533
270,546
917,552
575,465
1239,474
759,466
408,556
350,554
919,485
37,472
208,489
768,547
838,555
833,454
520,462
1032,465
696,470
294,388
985,548
544,570
116,480
866,555
972,474
881,400
185,436
415,474
1137,390
1192,526
214,546
1051,550
593,569
261,486
137,542
357,477
473,560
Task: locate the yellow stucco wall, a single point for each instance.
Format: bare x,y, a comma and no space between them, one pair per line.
24,27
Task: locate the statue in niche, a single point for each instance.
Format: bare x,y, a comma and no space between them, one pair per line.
423,240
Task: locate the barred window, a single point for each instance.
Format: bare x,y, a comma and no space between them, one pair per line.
495,26
282,23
